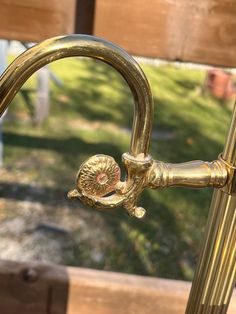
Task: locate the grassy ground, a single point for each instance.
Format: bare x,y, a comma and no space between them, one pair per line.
92,113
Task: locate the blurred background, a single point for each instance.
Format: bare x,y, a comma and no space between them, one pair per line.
79,107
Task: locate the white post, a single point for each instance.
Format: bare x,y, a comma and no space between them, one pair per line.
3,65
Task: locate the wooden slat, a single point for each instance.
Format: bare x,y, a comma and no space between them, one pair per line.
200,31
185,30
46,289
36,20
28,289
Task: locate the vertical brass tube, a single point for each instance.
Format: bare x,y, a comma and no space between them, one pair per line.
215,276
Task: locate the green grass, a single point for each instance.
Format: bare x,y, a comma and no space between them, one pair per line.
91,114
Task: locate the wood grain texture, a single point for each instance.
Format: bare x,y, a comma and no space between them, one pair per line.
33,288
185,30
36,20
48,289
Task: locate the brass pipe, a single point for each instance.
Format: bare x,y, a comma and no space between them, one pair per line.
98,180
88,46
215,276
192,174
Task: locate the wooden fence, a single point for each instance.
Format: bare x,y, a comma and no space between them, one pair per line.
200,31
48,289
28,20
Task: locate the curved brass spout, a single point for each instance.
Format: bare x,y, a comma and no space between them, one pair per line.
88,46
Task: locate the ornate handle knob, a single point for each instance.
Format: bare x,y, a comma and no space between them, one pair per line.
98,183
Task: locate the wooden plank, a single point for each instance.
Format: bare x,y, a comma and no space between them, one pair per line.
36,20
32,288
47,289
186,30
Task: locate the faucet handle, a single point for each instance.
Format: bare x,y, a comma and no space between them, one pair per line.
99,185
98,176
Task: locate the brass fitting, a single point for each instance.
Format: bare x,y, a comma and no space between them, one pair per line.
98,181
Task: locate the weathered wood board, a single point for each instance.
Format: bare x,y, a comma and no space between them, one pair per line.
48,289
200,31
185,30
28,20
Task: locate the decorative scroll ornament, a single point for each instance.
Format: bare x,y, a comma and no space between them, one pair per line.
98,183
98,176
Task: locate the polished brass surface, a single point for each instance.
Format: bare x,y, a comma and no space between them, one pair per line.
99,184
124,193
192,174
215,276
142,172
88,46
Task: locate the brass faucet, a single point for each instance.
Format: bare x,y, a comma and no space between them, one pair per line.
99,184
